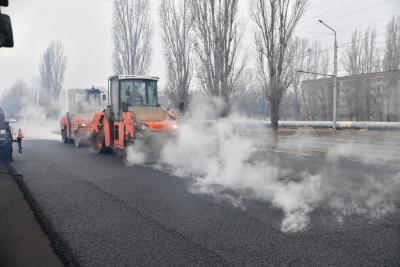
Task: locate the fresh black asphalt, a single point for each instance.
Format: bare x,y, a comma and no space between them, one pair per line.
103,213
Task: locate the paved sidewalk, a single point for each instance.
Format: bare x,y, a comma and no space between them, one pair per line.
22,241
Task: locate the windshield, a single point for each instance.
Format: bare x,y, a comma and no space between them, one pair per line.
139,92
87,102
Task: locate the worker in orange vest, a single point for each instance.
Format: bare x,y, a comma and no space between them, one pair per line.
20,136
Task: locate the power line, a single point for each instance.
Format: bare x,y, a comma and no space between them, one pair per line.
364,38
350,13
355,27
320,33
340,30
325,51
380,42
320,4
257,27
369,23
148,8
366,23
362,9
340,8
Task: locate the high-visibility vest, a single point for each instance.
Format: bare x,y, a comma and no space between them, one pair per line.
20,135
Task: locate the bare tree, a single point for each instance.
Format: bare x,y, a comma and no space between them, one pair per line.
299,61
217,47
312,103
318,62
362,56
352,63
360,60
52,69
316,99
371,53
352,57
178,43
378,100
391,60
131,32
276,21
371,63
13,99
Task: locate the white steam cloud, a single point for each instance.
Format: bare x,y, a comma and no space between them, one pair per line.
36,126
136,155
221,162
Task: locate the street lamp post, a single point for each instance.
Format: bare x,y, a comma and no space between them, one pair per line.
334,78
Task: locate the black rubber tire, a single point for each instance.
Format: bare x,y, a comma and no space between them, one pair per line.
98,139
64,138
77,142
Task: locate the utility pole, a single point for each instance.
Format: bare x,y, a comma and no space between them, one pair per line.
334,78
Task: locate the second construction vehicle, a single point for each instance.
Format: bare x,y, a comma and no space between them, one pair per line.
133,114
82,104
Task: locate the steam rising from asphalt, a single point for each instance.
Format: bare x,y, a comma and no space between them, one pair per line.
224,164
136,155
36,126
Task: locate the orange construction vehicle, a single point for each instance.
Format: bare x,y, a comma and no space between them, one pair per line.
75,125
133,114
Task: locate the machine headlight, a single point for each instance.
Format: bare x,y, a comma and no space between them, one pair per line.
144,126
83,124
175,126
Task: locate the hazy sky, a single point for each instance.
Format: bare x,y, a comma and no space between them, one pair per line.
84,28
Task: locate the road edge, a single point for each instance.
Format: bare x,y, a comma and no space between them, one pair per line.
59,246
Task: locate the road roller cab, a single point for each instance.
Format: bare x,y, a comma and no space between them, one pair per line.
133,113
82,104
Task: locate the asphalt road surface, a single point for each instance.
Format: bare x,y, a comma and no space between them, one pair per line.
22,241
100,212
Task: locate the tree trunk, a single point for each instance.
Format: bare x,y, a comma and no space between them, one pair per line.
274,121
297,102
226,109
